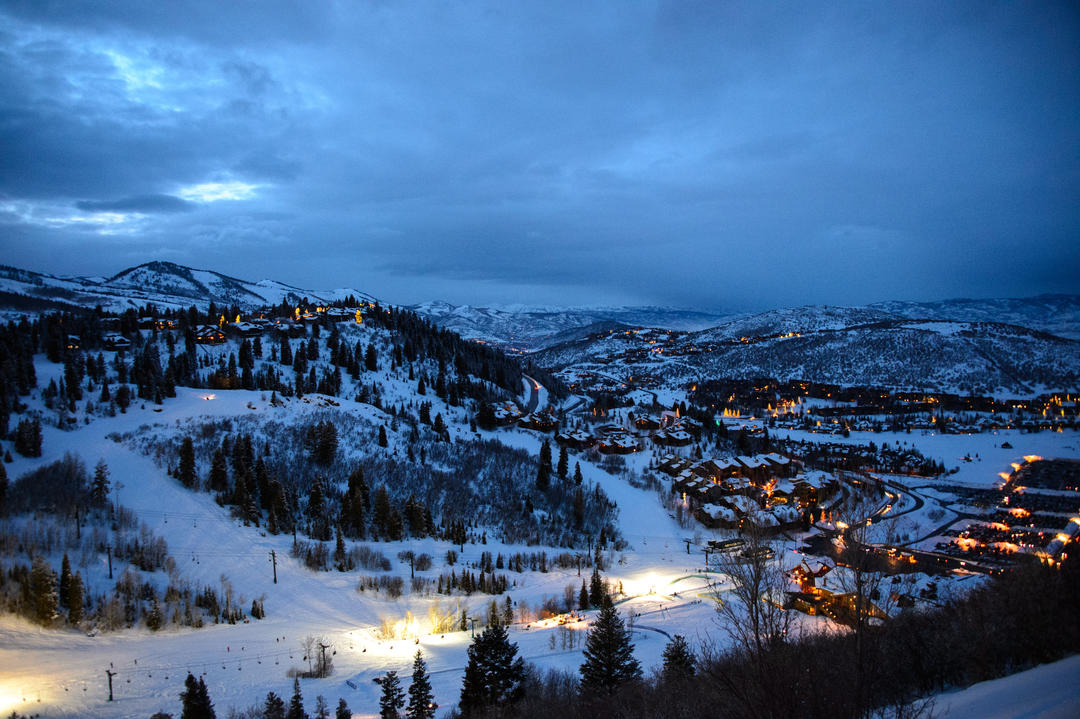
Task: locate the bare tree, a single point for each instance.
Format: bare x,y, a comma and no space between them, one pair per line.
750,608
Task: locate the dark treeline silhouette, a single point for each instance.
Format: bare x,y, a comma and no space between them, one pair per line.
1011,623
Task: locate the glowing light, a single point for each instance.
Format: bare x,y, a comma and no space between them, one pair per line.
1032,458
209,396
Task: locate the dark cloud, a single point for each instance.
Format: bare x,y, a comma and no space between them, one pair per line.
725,155
138,203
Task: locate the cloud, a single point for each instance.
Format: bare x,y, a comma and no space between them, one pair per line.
138,203
707,153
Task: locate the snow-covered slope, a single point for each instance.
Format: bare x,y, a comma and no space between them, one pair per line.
164,284
1056,314
530,327
873,350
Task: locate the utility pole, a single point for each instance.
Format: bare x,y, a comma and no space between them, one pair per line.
273,560
687,545
108,551
322,666
110,674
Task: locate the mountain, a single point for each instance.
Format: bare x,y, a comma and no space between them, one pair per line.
1056,314
530,328
845,346
165,284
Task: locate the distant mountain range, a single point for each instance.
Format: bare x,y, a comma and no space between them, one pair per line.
836,345
531,328
165,284
997,346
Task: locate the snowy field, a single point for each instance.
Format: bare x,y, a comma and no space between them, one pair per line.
62,672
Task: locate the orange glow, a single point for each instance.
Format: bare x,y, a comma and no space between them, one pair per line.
1032,458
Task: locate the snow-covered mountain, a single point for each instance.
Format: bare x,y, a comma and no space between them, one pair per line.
1056,314
164,284
846,346
530,327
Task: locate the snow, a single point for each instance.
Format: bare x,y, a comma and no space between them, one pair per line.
1049,691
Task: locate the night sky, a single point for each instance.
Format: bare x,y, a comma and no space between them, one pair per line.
723,156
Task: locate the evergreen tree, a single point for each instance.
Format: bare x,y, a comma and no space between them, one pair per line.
421,701
342,710
322,711
393,698
195,700
296,704
99,486
187,474
494,673
383,442
564,464
274,707
219,472
65,581
28,437
597,592
583,597
678,660
76,599
43,592
609,655
577,474
371,360
3,490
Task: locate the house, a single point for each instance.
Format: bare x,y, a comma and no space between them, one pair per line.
542,421
209,335
646,424
245,329
673,437
116,342
506,413
575,439
73,342
616,440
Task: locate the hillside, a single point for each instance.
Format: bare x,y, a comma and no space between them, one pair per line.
1056,314
164,284
861,348
532,328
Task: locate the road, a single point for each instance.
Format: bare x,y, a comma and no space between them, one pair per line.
534,394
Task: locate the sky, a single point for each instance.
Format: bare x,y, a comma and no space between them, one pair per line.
721,156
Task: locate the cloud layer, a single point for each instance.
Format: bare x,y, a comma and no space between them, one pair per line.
719,155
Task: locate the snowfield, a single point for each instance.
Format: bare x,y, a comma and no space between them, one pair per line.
63,672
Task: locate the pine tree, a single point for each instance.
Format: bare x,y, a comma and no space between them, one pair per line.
583,597
296,704
383,442
43,591
564,464
274,707
219,472
393,698
421,701
342,710
76,598
3,490
596,589
65,581
99,486
543,472
678,660
577,474
187,474
494,673
609,655
195,700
